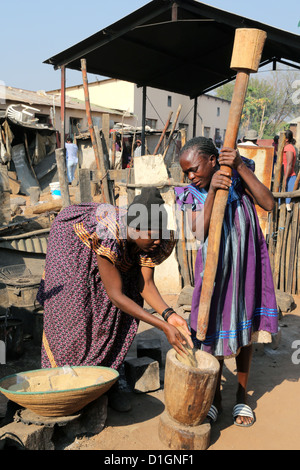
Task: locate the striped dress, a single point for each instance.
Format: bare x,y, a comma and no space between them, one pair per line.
81,325
243,305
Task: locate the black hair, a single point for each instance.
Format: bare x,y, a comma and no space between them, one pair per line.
202,144
289,135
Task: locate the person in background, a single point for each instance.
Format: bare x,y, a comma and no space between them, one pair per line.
138,148
275,145
71,159
243,305
289,162
218,141
250,138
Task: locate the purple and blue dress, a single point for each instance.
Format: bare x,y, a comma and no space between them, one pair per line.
243,307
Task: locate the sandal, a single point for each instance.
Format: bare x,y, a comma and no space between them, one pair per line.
242,410
213,414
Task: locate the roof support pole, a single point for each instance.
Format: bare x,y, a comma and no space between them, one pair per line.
144,120
63,106
89,114
195,117
174,12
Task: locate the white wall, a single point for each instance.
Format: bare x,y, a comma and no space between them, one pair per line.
207,111
126,96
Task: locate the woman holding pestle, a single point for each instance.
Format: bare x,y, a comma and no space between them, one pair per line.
99,269
243,307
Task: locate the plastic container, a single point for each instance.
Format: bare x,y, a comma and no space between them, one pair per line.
55,190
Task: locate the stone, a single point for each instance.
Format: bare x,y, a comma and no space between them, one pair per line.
20,201
150,348
142,374
15,210
92,420
187,308
34,193
32,437
41,433
285,301
185,296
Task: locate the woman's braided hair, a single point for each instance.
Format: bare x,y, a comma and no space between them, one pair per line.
202,144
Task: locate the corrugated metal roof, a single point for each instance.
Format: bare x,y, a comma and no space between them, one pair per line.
182,46
43,99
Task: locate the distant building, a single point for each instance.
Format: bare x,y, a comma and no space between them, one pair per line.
47,109
126,97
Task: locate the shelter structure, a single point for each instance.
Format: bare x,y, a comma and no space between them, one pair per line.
182,46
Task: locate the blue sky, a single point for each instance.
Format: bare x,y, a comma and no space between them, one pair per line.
32,31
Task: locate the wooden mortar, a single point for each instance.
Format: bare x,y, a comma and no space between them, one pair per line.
189,391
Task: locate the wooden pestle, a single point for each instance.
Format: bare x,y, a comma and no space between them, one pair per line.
246,56
189,359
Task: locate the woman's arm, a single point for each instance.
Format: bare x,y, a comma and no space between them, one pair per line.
152,296
112,281
261,194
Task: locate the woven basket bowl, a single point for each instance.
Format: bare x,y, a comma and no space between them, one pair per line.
62,402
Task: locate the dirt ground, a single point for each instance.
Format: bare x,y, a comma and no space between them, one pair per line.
274,390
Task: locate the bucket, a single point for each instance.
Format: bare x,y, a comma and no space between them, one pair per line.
55,190
21,290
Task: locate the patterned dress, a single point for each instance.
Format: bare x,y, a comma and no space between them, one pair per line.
81,325
243,302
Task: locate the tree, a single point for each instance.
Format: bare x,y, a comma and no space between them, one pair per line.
268,103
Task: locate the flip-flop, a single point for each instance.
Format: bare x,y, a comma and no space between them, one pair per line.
242,410
213,413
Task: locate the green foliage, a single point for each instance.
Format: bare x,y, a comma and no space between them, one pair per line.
268,103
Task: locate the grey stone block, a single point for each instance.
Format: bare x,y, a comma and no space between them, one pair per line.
285,301
33,437
185,296
142,374
149,348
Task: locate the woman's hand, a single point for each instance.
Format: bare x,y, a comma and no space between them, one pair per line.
230,157
220,180
174,336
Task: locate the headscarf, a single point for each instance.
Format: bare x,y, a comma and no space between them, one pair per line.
147,211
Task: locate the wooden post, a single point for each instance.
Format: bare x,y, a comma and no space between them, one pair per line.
172,131
29,159
63,106
62,176
195,117
278,166
163,133
103,170
113,149
247,51
85,193
105,130
88,112
144,120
